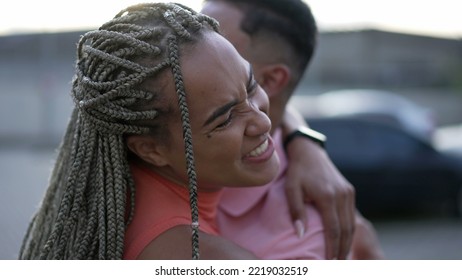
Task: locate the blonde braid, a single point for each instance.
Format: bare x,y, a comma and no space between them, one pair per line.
83,214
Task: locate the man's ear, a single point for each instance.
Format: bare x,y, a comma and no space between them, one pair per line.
274,78
148,149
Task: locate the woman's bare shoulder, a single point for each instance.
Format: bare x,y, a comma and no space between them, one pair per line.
175,244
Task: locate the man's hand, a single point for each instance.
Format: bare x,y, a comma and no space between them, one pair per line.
312,177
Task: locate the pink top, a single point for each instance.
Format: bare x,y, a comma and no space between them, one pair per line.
161,205
258,219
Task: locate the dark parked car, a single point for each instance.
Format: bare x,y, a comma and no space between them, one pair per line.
371,104
392,170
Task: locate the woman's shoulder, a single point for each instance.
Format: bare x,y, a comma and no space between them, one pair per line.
175,243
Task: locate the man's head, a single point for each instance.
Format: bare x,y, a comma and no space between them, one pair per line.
277,37
268,31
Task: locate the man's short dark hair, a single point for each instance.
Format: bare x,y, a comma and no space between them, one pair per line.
289,19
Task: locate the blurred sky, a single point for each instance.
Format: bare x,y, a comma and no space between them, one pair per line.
428,17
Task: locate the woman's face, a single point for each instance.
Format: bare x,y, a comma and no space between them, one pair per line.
228,116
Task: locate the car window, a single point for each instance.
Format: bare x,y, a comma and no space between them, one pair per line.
390,143
343,140
367,142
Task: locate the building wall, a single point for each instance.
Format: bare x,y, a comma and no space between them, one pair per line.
378,58
35,75
36,71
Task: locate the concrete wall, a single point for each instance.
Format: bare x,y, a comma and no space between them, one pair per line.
35,75
36,71
378,58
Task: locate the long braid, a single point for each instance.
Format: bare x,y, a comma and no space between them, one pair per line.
84,212
191,171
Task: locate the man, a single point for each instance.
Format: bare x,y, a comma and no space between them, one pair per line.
278,39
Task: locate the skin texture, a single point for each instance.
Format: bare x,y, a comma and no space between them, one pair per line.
312,177
217,77
366,244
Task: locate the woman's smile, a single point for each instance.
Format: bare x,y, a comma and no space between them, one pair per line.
261,153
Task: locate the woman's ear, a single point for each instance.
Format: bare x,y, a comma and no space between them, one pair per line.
148,149
274,78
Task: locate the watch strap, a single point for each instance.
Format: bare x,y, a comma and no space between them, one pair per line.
306,132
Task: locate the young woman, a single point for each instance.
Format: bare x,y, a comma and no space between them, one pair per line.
166,113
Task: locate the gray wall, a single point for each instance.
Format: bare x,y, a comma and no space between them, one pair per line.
35,75
36,71
378,58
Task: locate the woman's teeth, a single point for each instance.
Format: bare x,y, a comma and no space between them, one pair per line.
260,149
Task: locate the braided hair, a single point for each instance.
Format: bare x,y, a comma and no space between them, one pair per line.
90,197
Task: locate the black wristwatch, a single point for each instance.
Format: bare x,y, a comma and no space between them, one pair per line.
306,132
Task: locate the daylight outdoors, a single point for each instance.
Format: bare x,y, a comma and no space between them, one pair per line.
385,86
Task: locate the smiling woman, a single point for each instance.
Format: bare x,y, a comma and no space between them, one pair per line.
438,18
146,154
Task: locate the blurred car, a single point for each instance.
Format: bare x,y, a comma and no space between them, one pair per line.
383,106
393,171
449,138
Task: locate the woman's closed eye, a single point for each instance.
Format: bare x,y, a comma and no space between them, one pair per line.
252,84
226,122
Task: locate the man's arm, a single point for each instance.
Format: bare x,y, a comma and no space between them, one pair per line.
311,176
366,243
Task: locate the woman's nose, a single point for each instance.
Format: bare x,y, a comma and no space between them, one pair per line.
259,122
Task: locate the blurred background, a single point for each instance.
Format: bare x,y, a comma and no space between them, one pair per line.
385,86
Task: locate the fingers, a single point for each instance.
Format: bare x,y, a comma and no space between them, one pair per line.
315,179
346,211
330,221
296,207
336,206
